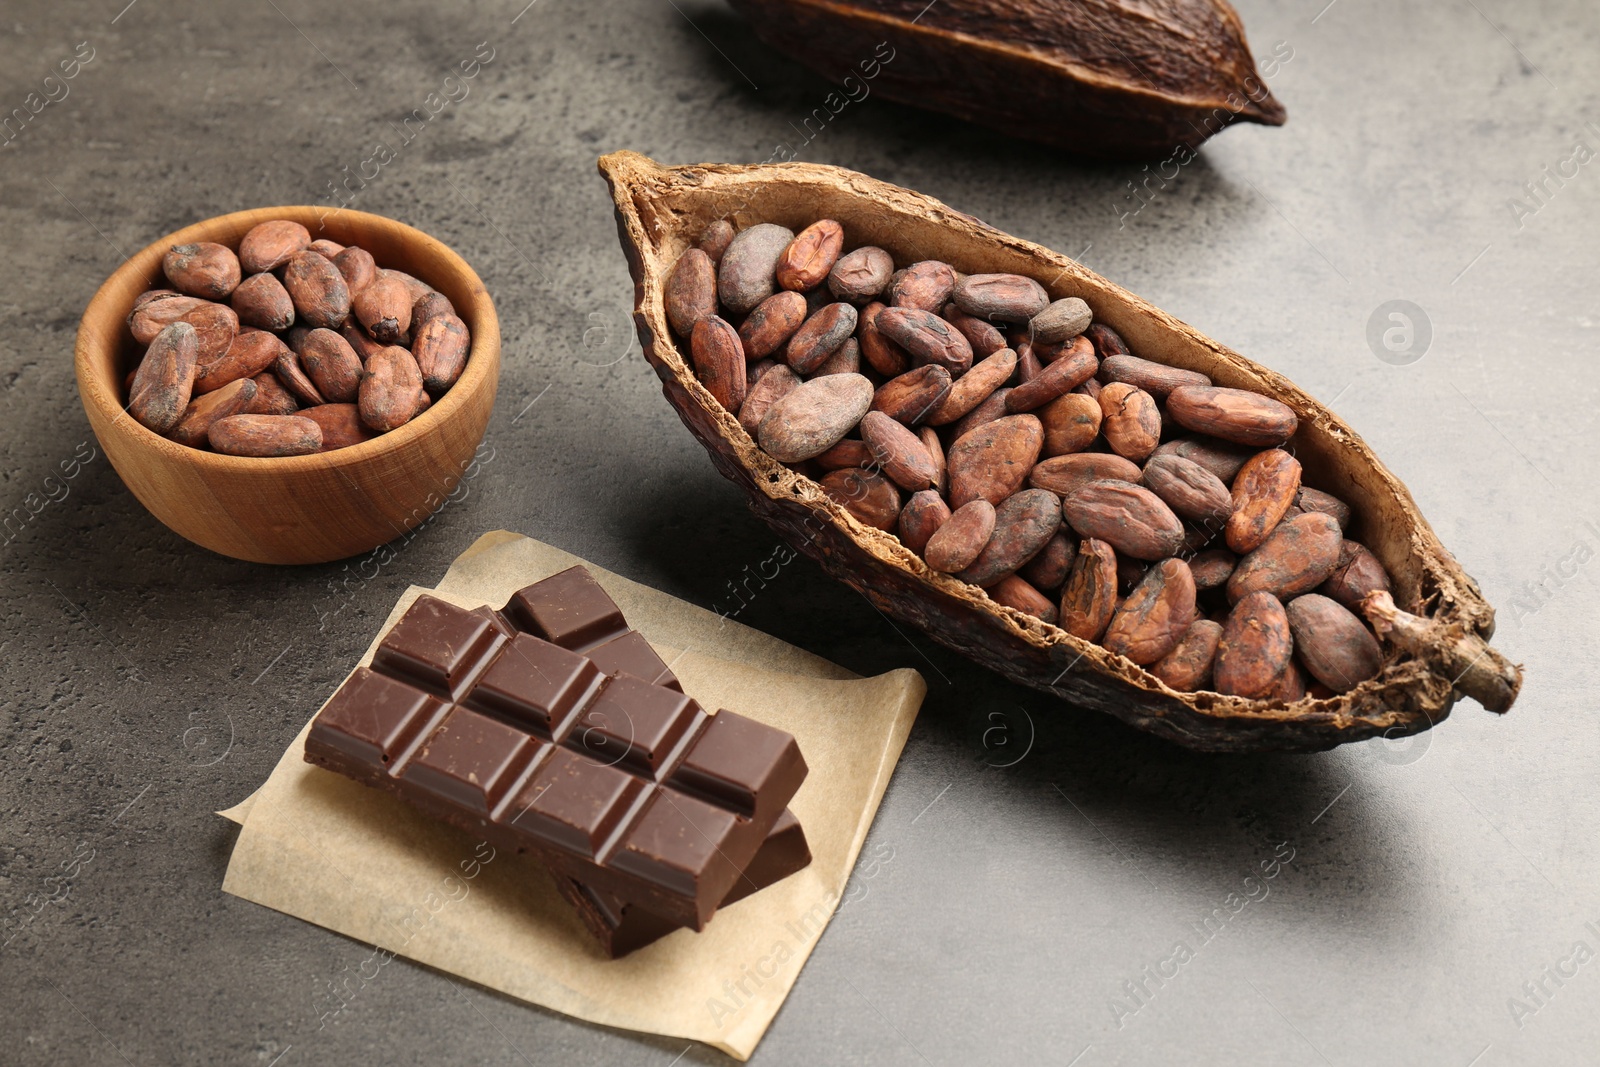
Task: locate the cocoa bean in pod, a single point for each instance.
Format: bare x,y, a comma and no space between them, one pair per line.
898,452
1149,623
1291,684
271,398
1049,353
716,239
1130,518
1028,365
1071,422
1000,297
961,538
925,286
884,356
922,517
992,461
1014,591
207,270
1157,379
440,348
1106,341
1048,569
359,270
816,340
1310,499
772,323
1060,320
719,360
1089,597
157,309
753,370
1023,525
1065,475
265,435
1335,646
930,440
1356,573
165,379
1255,648
384,310
848,453
748,271
814,416
215,327
429,307
1058,379
231,399
1235,415
914,395
1296,557
871,498
293,376
262,301
365,347
974,387
332,366
984,338
691,292
811,255
319,292
1222,458
1130,572
991,409
1187,668
846,359
388,396
1089,388
268,245
1263,490
927,337
1189,490
771,387
341,425
861,275
1212,568
1130,421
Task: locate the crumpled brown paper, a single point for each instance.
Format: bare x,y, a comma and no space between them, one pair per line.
328,850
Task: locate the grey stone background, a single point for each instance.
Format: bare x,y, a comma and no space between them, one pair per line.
149,683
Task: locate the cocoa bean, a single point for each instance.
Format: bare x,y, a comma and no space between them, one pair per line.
772,323
1157,379
1310,499
195,424
1212,568
340,423
325,248
771,387
1149,623
898,452
293,376
440,347
1071,422
1065,475
359,270
992,461
810,256
1255,648
363,346
719,361
1060,320
861,275
925,286
1291,684
1263,490
1189,490
157,309
1089,596
268,245
846,359
975,386
1077,347
1130,572
1023,525
1356,573
266,435
823,332
1013,591
885,357
1048,569
914,395
1187,668
1028,365
747,273
165,379
388,396
690,293
331,364
318,290
271,398
984,338
1057,379
1130,421
215,327
962,537
207,270
848,453
1235,415
1000,297
1089,388
991,409
427,308
1296,557
262,301
716,239
814,416
1106,341
414,285
871,498
922,517
384,309
1335,646
1130,518
1222,458
927,337
930,441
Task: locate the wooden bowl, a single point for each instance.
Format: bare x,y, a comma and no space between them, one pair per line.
298,509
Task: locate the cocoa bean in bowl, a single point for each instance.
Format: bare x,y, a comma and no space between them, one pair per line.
290,385
1104,504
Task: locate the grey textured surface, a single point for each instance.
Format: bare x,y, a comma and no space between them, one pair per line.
149,683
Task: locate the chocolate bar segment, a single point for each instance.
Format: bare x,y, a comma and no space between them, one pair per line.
508,736
621,928
571,610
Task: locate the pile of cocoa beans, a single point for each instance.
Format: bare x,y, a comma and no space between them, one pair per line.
1015,443
288,346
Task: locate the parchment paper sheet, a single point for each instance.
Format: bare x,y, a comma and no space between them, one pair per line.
328,850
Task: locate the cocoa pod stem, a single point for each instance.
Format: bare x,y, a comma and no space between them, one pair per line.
1474,668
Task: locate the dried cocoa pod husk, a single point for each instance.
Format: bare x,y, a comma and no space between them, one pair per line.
1089,597
268,245
265,435
1187,667
661,211
691,294
1065,475
922,517
1149,623
1115,81
871,498
1263,491
1014,591
1255,648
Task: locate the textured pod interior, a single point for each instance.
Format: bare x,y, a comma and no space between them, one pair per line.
662,211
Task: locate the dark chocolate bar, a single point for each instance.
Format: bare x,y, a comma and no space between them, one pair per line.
621,928
571,610
625,786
